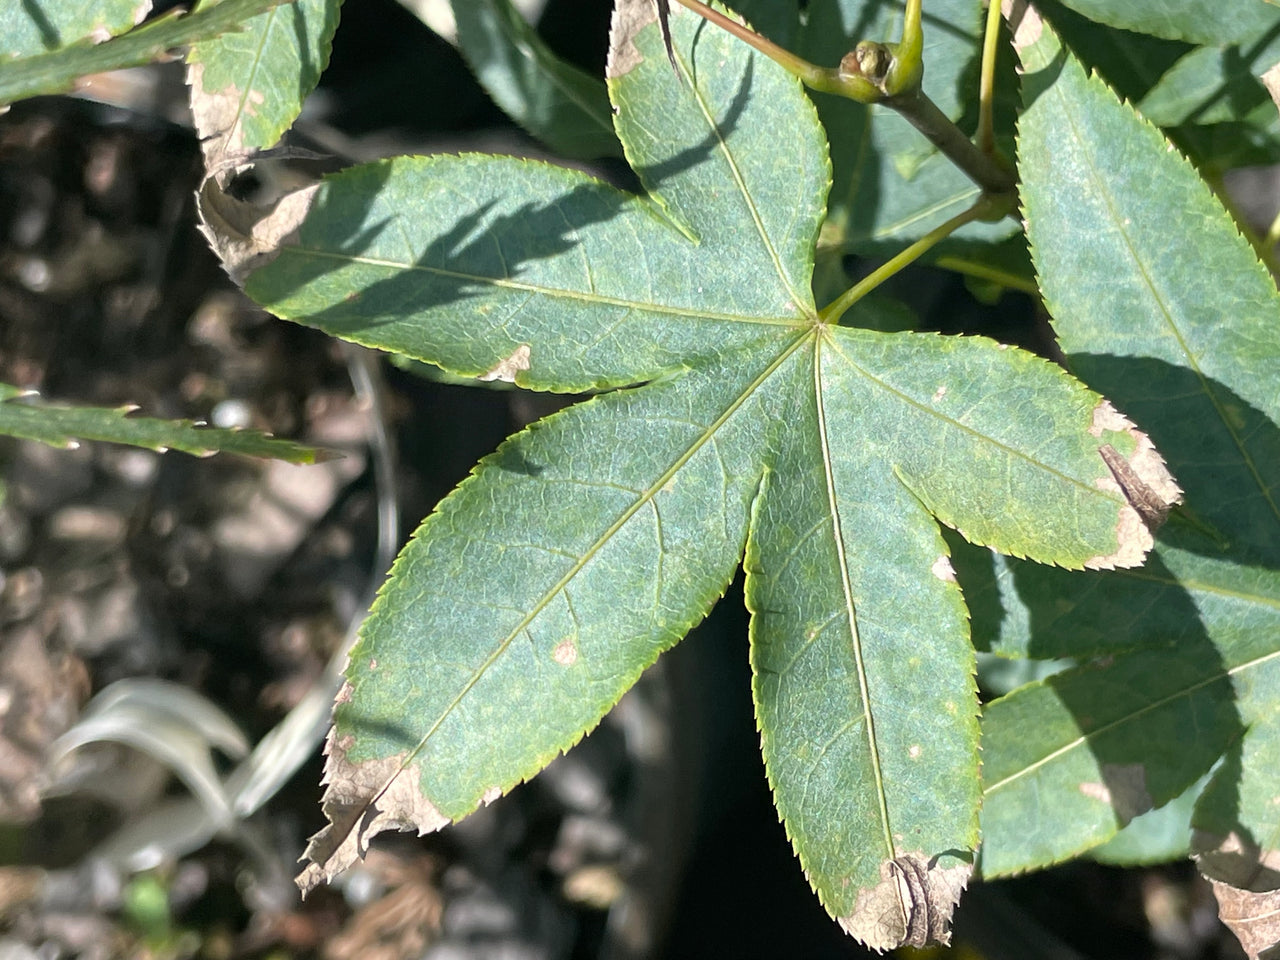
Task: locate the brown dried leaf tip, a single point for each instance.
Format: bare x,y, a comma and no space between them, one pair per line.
1246,882
1253,917
1142,479
361,800
248,236
910,906
218,116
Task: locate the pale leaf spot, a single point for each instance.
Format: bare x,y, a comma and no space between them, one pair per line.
566,652
507,368
1107,417
373,663
1124,790
1096,791
216,114
939,394
490,795
943,570
914,752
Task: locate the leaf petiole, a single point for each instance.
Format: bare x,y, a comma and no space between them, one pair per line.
838,82
988,207
987,83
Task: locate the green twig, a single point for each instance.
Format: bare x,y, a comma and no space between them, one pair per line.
882,73
817,78
987,208
984,169
982,271
907,70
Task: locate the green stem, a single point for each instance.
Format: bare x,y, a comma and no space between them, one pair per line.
982,271
987,86
811,75
908,56
984,169
985,208
876,73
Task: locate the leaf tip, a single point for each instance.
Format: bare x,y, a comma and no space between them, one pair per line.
245,236
1144,481
361,800
911,905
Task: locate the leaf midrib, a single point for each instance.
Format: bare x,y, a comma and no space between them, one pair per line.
851,616
1193,585
1083,739
965,428
268,23
691,313
801,299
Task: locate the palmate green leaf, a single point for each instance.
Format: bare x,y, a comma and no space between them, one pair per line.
31,27
739,422
560,104
891,186
57,71
1199,21
65,426
247,87
1163,305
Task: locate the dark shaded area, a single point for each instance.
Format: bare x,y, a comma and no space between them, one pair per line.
49,35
